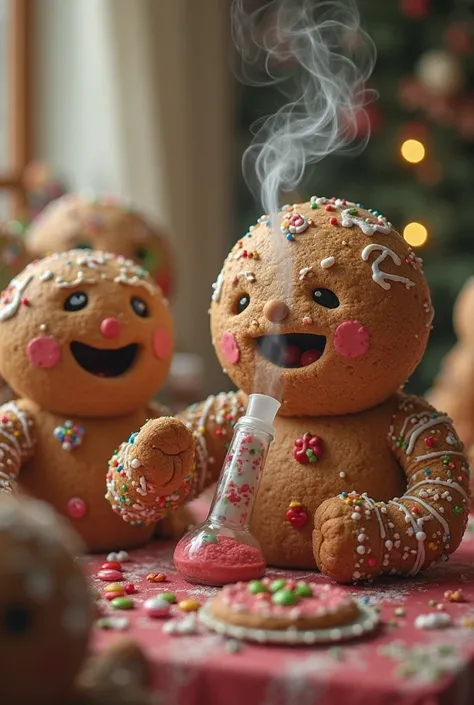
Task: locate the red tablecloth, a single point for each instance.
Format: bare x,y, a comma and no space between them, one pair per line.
400,664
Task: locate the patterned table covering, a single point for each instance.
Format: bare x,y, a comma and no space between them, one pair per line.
398,665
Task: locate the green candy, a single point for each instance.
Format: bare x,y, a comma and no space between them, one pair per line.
284,597
277,585
209,538
303,590
168,596
256,586
122,603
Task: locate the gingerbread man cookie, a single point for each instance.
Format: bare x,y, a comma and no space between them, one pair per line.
86,339
46,616
13,257
106,224
331,314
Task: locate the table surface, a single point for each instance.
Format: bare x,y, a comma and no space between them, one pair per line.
400,664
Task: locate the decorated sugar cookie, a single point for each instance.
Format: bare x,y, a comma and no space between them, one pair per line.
102,223
86,339
331,314
46,616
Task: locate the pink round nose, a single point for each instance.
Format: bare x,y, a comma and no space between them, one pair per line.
110,328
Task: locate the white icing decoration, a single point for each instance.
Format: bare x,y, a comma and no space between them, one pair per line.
417,430
327,262
15,291
431,510
217,287
347,221
444,483
250,276
421,548
304,272
382,278
437,454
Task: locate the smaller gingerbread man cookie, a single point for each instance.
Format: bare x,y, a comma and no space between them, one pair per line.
102,223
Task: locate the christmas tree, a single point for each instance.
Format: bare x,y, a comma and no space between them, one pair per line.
418,166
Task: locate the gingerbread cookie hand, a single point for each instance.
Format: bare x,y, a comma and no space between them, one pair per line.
152,473
17,441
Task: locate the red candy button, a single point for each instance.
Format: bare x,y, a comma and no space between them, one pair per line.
110,576
111,565
76,508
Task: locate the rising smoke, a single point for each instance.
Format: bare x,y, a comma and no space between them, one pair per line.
318,55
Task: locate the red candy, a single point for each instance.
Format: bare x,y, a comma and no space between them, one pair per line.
308,449
130,589
372,562
112,595
109,576
430,441
111,565
297,517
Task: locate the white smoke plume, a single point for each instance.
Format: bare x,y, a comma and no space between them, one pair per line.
317,54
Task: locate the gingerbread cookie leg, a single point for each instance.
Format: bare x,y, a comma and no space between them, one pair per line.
171,460
357,538
17,441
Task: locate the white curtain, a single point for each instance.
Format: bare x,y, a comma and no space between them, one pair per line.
136,98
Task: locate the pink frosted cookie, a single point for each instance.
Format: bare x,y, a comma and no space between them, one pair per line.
284,604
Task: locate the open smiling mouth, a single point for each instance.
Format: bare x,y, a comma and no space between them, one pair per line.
104,363
292,349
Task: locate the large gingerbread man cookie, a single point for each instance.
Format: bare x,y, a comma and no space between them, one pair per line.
106,224
46,616
332,314
86,339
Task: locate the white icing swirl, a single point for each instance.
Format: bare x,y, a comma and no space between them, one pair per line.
383,278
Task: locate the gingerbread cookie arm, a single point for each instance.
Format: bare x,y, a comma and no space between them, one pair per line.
406,534
171,460
17,441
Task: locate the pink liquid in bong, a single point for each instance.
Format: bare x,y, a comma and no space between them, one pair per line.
222,550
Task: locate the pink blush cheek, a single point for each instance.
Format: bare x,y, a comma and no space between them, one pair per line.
162,343
44,352
230,348
351,339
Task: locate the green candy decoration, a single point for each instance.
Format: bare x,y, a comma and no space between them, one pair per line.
277,585
256,586
285,597
304,590
209,538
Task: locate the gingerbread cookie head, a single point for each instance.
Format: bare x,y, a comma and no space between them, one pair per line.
77,222
85,333
331,313
13,255
45,608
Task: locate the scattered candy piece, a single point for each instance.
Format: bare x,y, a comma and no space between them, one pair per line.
112,595
111,565
119,556
109,576
399,612
130,589
304,590
284,597
156,607
454,596
433,603
123,603
113,623
467,622
168,596
113,587
434,620
189,605
393,623
156,578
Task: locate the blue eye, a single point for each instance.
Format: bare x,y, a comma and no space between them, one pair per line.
242,302
140,307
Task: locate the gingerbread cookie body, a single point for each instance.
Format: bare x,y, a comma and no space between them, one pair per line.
105,224
331,314
86,339
46,616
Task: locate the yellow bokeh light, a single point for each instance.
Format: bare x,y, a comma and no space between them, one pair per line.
413,151
415,234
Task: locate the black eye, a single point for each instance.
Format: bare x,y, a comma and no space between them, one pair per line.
242,303
325,297
16,620
141,253
76,301
140,307
83,246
